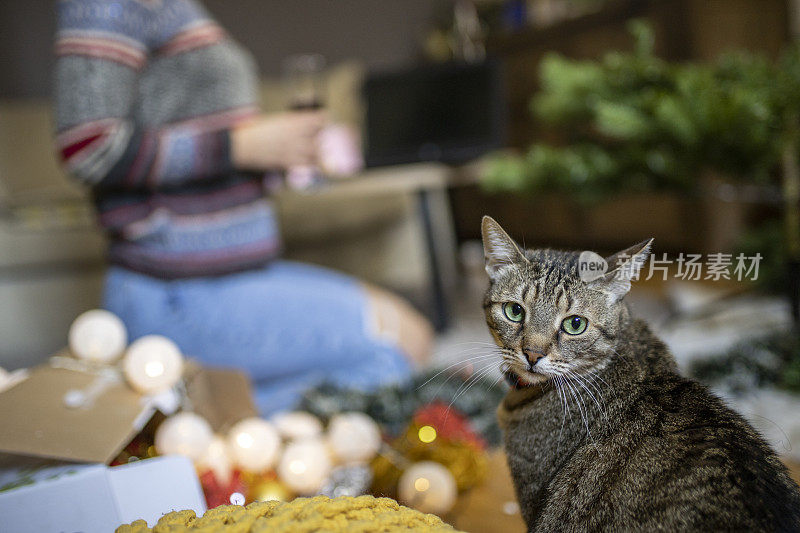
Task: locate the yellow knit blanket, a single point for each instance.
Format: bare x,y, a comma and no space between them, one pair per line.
345,513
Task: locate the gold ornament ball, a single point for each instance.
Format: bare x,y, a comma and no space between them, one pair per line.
270,490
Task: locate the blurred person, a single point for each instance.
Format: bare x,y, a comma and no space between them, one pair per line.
156,112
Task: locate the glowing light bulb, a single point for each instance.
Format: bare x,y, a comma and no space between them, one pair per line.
305,466
254,444
297,425
184,434
245,440
97,335
217,458
427,434
297,467
154,369
429,487
152,364
353,437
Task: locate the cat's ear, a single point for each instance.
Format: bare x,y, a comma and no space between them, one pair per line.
623,267
499,249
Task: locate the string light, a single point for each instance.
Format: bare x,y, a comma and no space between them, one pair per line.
427,434
254,444
353,437
305,466
184,434
429,487
98,336
152,364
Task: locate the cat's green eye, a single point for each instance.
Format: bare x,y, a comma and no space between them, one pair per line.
513,311
574,325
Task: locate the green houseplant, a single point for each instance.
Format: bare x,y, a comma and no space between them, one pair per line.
634,122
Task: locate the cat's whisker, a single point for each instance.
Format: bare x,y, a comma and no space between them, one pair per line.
459,362
564,410
580,382
490,364
474,379
595,376
469,379
581,407
591,379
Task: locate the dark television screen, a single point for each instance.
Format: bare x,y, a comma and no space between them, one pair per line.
452,112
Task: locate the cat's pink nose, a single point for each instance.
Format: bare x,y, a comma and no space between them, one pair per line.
532,355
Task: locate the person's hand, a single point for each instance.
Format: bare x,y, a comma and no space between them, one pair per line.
277,141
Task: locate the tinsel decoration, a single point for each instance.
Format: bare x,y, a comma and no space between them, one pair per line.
348,480
393,407
438,433
465,459
386,473
448,423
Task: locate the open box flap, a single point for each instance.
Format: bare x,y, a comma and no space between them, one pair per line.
220,395
37,422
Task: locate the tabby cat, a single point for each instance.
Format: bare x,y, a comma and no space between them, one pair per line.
601,432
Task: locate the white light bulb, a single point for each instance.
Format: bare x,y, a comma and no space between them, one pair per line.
353,437
297,425
217,458
254,444
154,369
153,364
184,434
305,465
297,467
428,487
97,335
245,440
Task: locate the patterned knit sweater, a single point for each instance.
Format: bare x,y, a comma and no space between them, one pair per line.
146,94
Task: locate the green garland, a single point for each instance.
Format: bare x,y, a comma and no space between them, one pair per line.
393,407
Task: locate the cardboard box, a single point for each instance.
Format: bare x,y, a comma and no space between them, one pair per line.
38,422
97,498
54,456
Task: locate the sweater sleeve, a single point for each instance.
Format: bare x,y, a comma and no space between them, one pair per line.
101,47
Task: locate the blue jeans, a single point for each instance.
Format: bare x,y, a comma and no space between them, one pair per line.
289,325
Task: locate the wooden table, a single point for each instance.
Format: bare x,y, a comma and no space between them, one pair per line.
492,506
